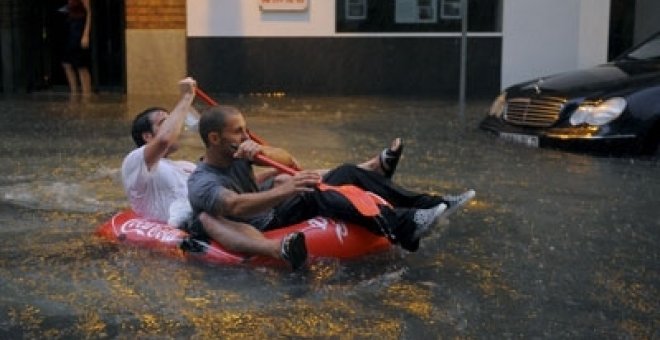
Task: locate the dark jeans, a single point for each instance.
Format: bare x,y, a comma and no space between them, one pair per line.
395,223
381,186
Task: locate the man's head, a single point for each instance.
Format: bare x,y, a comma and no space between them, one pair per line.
145,124
223,128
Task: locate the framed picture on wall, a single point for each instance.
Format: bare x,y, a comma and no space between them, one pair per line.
355,9
450,9
416,11
283,5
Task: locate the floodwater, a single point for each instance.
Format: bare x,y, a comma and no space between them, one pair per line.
555,245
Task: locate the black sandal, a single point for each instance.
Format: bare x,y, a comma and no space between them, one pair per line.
389,159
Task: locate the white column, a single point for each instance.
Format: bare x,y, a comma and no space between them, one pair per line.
543,37
594,28
243,18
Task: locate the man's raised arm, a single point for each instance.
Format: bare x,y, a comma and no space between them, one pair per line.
168,131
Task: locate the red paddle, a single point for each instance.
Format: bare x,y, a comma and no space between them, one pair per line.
363,201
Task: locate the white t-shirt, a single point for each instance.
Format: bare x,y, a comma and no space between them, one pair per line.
151,193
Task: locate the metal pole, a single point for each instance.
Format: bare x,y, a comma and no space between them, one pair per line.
462,80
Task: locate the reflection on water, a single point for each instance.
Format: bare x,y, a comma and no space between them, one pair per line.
556,245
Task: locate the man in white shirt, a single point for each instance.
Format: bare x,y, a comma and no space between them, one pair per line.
152,181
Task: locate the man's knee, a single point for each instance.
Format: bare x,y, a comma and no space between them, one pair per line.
345,171
348,167
280,179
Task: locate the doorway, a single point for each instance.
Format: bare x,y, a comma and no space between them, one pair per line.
34,43
622,27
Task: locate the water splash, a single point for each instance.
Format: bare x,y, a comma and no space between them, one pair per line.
60,196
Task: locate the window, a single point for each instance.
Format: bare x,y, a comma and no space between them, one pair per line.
450,9
417,16
356,9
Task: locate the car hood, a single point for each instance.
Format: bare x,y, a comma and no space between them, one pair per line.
598,80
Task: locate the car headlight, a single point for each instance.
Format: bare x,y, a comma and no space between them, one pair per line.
598,114
497,108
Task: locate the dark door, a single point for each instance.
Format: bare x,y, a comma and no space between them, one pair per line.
108,46
37,39
622,27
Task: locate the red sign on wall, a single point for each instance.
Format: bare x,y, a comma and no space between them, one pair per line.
283,5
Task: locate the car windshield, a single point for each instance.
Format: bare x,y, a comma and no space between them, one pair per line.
648,50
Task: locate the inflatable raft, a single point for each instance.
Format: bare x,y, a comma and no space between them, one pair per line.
324,237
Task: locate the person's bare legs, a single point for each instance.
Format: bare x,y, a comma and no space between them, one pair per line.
85,81
244,238
71,77
240,237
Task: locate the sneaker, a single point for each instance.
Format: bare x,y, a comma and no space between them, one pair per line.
294,250
456,201
425,218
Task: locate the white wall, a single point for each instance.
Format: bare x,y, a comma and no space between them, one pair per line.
243,18
234,18
543,37
594,35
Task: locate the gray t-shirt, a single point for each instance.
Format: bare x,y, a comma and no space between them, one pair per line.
208,184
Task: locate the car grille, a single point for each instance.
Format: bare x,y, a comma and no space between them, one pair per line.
536,112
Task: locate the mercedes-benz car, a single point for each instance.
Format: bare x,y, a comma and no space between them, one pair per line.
611,108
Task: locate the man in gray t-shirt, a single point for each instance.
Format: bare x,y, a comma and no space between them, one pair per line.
224,185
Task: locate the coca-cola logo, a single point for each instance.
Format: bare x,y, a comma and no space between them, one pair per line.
322,223
341,231
317,223
147,229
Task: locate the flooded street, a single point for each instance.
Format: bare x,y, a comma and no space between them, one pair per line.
555,245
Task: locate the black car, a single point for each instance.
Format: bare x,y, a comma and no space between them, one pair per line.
612,108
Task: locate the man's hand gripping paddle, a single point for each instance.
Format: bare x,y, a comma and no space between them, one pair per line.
365,202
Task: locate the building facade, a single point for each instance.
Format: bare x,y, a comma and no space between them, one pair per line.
341,47
329,47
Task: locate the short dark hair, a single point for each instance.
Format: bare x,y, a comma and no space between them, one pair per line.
214,119
142,123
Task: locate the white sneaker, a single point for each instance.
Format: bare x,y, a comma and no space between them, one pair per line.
425,218
457,201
